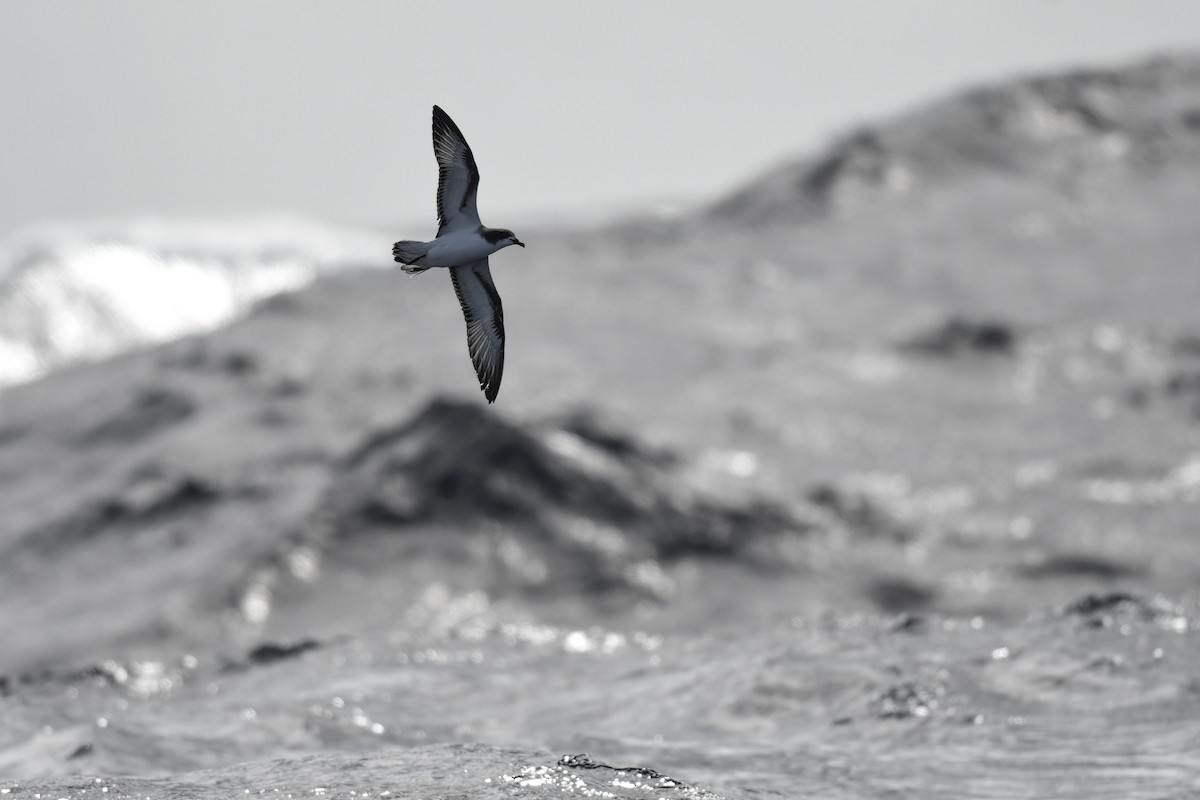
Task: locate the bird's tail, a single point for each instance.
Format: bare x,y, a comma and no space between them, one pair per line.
410,254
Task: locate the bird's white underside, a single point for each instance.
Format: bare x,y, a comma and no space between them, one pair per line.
458,247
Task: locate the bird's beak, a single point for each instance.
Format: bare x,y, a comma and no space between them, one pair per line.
520,243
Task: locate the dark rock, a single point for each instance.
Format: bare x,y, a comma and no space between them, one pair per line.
594,505
151,411
959,336
1095,603
269,652
197,356
154,491
151,495
458,461
900,594
908,622
588,425
1079,566
239,362
861,513
860,157
1105,610
586,762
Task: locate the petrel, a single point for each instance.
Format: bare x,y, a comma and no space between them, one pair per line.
463,245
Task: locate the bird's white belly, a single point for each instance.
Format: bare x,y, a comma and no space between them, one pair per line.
454,250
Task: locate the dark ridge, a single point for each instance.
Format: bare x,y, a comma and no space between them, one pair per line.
108,674
958,336
584,761
860,156
1105,610
454,460
151,494
271,652
152,410
1095,603
861,513
900,595
1079,566
82,750
197,356
238,364
457,460
908,622
155,491
590,507
589,425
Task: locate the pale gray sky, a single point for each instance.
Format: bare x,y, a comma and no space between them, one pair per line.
218,107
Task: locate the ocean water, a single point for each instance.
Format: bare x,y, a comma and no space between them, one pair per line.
471,607
1093,700
877,480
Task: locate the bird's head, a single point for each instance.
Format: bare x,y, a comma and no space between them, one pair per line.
501,237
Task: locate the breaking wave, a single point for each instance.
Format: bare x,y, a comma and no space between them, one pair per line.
72,293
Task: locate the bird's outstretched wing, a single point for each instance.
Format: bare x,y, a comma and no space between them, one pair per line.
485,322
458,177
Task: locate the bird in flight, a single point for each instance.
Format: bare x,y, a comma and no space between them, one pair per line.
463,245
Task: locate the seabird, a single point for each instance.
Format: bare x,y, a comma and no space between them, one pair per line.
463,245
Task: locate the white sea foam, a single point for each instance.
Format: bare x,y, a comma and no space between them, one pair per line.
71,293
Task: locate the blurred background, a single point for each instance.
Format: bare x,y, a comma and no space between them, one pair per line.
228,108
848,443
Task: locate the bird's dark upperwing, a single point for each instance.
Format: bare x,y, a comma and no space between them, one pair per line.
458,177
485,322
